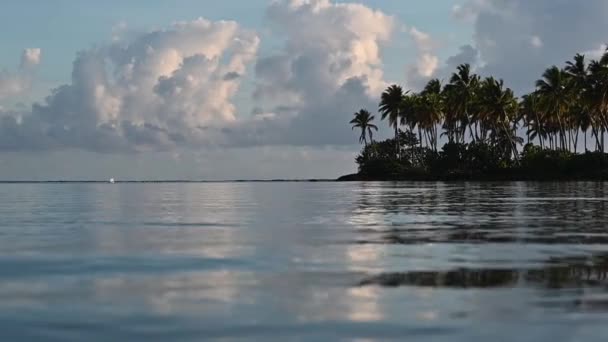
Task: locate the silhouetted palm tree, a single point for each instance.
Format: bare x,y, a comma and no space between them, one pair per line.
498,108
430,107
597,98
555,99
391,106
363,120
530,109
460,98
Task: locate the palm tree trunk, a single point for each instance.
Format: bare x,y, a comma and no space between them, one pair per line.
436,138
540,138
577,139
397,145
585,141
597,138
602,141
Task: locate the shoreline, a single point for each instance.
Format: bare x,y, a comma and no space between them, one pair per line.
355,177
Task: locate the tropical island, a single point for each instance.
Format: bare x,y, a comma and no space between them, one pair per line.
555,132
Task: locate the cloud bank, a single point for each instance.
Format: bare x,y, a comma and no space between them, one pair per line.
176,87
153,92
517,39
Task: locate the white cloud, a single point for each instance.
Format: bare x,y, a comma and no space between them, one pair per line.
11,84
536,42
31,57
330,66
427,64
423,40
469,11
175,87
16,83
154,91
427,61
327,44
596,53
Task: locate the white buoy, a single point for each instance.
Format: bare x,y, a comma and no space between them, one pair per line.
112,180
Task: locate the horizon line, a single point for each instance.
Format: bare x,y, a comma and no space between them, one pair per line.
277,180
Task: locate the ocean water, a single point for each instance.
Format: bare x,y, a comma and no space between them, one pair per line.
304,262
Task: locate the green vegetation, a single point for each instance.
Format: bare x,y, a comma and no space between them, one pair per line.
481,120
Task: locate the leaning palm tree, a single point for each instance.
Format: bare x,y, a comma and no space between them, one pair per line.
363,120
391,106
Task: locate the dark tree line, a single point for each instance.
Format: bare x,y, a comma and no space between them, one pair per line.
480,118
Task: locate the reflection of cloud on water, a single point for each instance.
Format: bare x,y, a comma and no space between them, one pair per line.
205,220
364,257
206,293
24,294
365,306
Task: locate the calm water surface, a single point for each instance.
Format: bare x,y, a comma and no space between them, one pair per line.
304,262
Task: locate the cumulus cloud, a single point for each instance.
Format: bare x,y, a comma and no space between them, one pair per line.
15,83
329,67
326,44
427,62
469,11
30,57
154,91
518,39
423,41
175,87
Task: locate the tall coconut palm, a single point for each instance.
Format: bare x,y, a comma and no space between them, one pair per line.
391,106
597,98
554,92
460,93
431,110
531,110
580,119
499,112
363,120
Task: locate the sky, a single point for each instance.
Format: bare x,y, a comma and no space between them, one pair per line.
257,89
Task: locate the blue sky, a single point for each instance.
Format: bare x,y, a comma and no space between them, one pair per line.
266,95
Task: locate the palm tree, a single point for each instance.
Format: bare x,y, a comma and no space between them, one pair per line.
555,99
530,109
580,119
460,93
430,107
391,106
363,120
498,107
597,98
